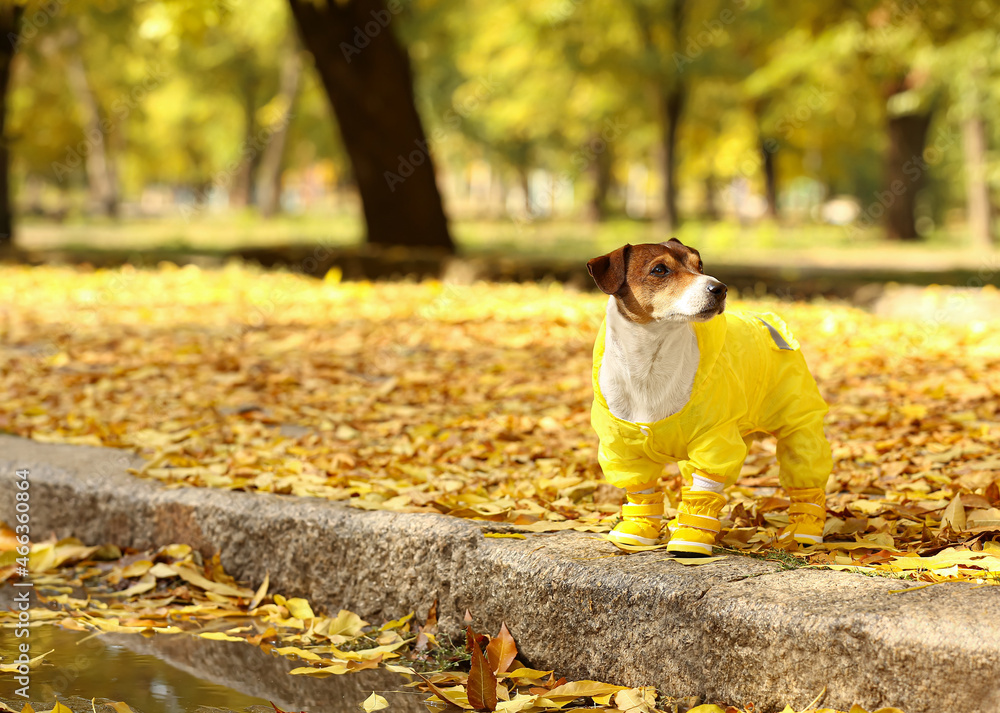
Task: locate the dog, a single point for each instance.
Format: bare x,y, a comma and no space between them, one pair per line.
678,378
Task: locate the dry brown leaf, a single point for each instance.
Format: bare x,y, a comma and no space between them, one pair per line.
482,685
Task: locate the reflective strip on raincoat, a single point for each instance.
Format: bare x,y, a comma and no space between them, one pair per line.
751,378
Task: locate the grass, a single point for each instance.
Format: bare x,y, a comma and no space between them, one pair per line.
785,560
443,657
676,704
910,575
559,239
203,233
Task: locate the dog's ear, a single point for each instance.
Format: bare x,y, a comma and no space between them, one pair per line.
609,270
674,240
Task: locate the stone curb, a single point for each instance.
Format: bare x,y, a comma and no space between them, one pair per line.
739,630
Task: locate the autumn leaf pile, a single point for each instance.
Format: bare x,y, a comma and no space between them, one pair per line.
474,401
174,591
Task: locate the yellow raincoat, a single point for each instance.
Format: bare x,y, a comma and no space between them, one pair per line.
751,377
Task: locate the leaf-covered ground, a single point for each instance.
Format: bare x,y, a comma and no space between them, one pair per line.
474,401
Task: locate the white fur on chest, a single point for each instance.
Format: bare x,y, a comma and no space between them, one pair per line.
648,370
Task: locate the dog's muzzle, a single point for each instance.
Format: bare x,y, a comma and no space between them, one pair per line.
717,294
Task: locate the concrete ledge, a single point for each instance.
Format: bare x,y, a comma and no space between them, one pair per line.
738,630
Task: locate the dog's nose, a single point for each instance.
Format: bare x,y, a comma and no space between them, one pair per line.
718,289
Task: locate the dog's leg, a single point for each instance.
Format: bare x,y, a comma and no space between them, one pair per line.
693,531
642,517
805,464
806,516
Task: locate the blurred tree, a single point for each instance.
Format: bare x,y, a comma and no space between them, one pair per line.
71,97
910,100
662,31
760,30
618,94
227,59
102,173
224,101
368,79
672,59
490,80
930,52
269,173
972,64
818,111
897,48
733,99
10,22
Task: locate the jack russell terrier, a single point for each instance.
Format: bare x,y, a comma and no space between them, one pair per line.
678,379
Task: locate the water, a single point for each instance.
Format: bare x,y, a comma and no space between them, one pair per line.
95,667
175,673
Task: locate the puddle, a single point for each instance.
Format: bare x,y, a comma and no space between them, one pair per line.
99,668
178,673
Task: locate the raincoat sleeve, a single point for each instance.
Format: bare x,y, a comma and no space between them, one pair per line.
621,455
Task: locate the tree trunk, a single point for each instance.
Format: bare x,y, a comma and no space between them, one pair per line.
367,76
602,167
525,182
905,173
241,187
671,108
672,100
10,19
767,164
978,190
269,173
101,176
711,199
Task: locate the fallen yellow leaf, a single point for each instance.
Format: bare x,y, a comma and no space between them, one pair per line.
374,702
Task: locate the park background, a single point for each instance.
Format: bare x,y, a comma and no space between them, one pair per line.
549,126
289,251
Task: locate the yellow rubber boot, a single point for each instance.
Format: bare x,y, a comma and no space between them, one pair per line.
806,516
642,517
693,531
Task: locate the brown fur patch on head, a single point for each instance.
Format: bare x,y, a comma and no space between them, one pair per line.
627,273
692,257
608,270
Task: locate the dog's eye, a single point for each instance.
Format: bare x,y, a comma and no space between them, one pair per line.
701,266
659,270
